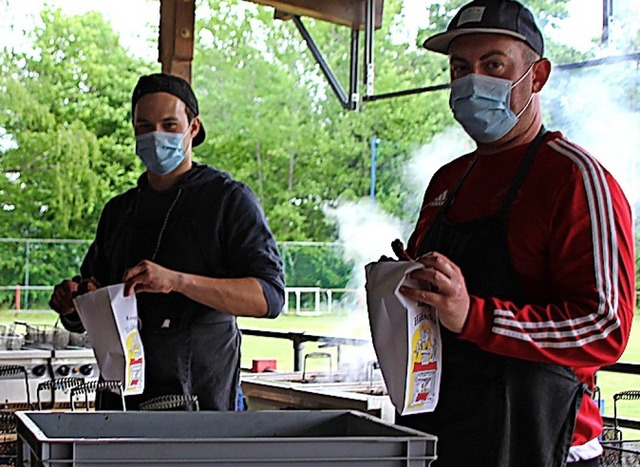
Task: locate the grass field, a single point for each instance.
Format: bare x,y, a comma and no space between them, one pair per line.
357,326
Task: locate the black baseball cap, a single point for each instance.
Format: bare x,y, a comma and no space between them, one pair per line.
171,84
490,17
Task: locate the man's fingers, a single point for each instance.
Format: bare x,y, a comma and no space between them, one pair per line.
130,285
61,299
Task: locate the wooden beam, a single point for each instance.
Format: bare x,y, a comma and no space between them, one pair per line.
349,13
177,20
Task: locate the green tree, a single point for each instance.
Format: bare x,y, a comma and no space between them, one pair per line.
66,116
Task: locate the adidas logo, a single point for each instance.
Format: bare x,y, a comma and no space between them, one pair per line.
439,200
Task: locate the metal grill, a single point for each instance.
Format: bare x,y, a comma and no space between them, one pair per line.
95,386
171,402
8,438
64,384
15,370
619,452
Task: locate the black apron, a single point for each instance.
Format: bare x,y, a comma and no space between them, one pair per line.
495,410
190,350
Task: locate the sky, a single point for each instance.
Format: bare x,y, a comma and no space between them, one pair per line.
133,20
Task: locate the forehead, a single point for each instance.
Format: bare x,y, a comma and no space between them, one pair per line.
473,47
159,105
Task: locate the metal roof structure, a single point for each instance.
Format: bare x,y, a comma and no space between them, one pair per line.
176,41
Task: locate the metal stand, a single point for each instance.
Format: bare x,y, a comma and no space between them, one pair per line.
12,370
54,384
95,386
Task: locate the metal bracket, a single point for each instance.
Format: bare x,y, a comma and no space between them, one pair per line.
350,101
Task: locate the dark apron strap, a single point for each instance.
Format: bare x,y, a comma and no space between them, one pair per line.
529,157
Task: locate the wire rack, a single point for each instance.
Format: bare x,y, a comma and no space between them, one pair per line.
171,402
8,438
619,452
63,384
14,370
95,386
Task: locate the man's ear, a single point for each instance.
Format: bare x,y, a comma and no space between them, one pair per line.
195,127
541,71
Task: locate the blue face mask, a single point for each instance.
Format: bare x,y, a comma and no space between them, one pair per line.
482,105
161,152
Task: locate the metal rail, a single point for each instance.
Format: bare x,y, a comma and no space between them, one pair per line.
635,56
300,338
629,369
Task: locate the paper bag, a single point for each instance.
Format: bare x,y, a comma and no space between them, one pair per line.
111,320
406,338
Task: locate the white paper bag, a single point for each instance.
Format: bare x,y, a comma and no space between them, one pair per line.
111,320
406,338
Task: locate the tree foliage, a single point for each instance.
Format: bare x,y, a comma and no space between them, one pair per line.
66,127
66,144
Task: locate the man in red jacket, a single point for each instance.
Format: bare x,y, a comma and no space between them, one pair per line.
528,250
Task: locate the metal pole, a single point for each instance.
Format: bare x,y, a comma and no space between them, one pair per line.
354,98
372,190
607,12
298,347
324,67
26,274
369,31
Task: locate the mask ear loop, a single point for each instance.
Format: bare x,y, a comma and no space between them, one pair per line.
525,106
518,81
184,135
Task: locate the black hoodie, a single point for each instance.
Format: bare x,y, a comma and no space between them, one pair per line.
206,224
213,226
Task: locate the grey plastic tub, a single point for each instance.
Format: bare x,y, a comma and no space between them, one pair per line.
316,438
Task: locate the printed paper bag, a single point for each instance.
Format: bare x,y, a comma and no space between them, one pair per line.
111,320
406,338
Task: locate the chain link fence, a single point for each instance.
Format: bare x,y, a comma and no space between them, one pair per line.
317,274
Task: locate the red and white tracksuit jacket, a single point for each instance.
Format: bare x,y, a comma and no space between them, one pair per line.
571,241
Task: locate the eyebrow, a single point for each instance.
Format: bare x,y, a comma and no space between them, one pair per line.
483,57
164,120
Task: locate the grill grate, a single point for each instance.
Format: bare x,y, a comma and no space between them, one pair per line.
60,383
95,386
8,441
15,370
619,453
170,402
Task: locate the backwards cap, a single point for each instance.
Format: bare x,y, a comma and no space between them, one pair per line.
162,82
490,16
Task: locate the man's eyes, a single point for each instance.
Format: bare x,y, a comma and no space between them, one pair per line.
169,125
143,128
458,70
494,67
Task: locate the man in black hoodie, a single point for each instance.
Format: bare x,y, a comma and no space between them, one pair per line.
194,246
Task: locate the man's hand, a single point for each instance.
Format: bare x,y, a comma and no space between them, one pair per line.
443,287
62,297
148,277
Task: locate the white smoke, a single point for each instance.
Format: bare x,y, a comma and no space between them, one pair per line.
598,107
444,147
599,121
366,231
605,128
